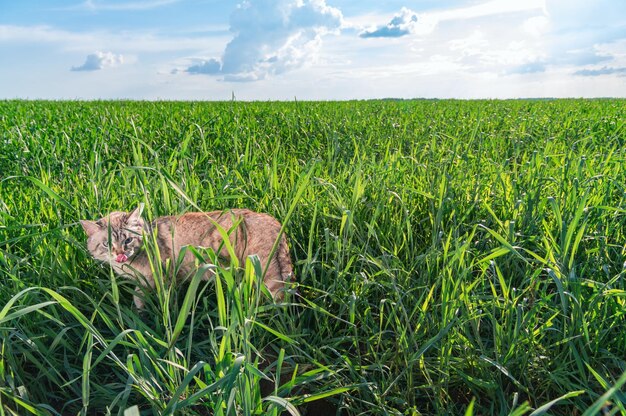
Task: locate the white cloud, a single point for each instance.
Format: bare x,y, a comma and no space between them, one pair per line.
212,66
491,8
493,48
495,37
100,60
614,63
577,26
616,50
272,37
471,45
536,26
408,22
602,71
401,24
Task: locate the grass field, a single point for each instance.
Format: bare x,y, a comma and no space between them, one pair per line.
451,258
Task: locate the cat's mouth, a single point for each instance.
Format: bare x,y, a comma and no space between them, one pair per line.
121,258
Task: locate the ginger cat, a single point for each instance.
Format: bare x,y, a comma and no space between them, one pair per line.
254,234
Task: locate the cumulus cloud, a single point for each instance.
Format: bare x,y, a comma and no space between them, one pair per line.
408,22
400,25
272,37
100,60
212,66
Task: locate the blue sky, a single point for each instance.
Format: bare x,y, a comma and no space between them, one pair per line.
312,49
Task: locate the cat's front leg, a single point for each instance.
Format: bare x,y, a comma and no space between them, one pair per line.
138,298
145,283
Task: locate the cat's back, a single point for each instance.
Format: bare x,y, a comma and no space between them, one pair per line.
192,220
195,226
249,232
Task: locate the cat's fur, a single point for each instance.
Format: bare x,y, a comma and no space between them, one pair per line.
254,234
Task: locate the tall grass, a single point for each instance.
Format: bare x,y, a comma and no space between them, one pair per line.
451,258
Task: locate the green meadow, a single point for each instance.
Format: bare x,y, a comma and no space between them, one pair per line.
451,257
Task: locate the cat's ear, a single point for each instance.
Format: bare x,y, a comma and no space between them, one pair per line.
90,227
134,219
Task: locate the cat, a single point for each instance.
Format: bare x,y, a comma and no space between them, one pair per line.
254,233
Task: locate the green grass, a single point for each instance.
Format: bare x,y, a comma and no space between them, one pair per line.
451,258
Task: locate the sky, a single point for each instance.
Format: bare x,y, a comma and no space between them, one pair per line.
311,49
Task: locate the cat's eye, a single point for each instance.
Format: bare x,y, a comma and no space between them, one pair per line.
128,240
105,243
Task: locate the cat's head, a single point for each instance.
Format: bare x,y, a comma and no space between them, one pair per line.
115,238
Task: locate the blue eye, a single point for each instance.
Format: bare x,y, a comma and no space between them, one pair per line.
128,240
